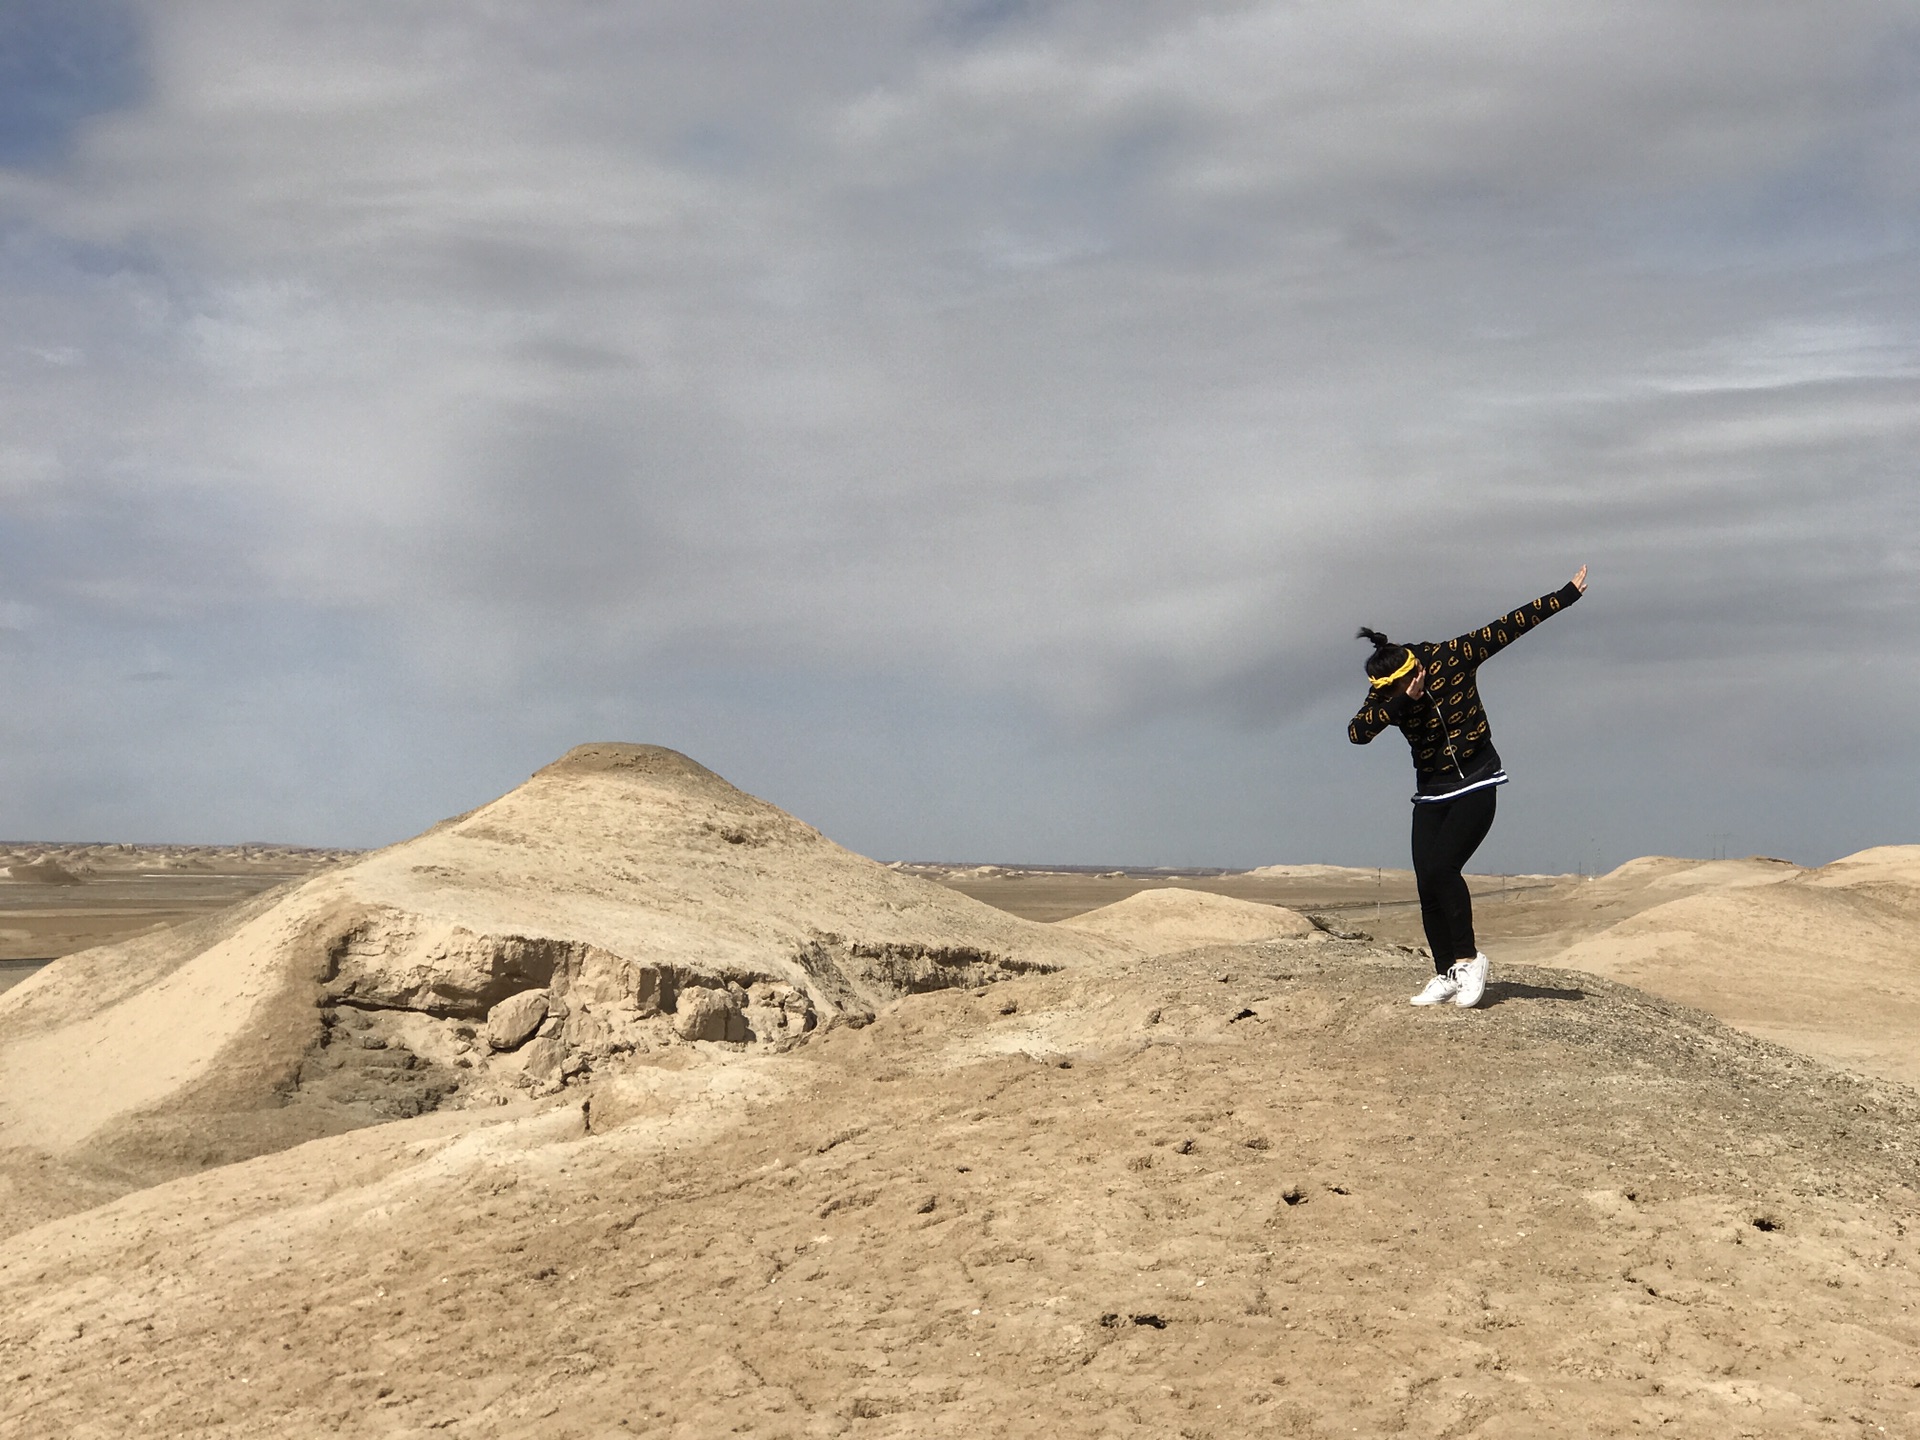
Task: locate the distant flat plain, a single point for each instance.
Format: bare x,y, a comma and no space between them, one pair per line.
58,899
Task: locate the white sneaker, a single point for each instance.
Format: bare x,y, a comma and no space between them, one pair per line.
1440,989
1473,981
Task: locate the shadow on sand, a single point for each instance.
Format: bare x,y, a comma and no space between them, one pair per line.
1501,991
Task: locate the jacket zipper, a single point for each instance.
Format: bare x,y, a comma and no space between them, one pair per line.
1439,715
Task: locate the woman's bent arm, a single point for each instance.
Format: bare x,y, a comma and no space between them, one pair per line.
1374,717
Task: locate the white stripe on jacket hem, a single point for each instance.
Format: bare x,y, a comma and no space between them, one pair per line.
1499,777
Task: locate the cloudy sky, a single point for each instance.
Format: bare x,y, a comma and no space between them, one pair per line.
977,426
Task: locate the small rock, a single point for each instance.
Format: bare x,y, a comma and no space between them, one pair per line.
544,1058
702,1014
515,1018
372,1042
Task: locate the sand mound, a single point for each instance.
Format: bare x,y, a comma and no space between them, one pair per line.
1824,960
1667,872
1160,922
42,872
623,903
1324,874
1882,865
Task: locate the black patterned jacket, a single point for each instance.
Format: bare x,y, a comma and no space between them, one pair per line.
1447,728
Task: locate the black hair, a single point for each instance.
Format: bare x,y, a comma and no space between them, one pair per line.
1387,657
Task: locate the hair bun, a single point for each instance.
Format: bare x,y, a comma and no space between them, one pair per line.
1387,657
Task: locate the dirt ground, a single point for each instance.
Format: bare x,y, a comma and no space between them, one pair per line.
630,1105
1826,961
1235,1192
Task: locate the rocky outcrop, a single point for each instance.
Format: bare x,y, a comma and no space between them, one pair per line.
397,961
581,1008
624,902
41,872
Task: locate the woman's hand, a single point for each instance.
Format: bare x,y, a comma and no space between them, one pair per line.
1580,580
1417,686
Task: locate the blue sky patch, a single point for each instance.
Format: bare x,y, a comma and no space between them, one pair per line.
61,63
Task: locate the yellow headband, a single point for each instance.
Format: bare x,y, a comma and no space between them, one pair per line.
1386,680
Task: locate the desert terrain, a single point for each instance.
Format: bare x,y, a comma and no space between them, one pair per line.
1826,960
56,899
629,1104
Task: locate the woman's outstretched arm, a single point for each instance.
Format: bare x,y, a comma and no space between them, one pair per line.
1490,640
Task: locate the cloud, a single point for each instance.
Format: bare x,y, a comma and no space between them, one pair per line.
1094,367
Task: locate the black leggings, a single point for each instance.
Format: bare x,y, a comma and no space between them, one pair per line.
1445,835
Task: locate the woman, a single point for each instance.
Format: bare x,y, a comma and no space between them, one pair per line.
1428,691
